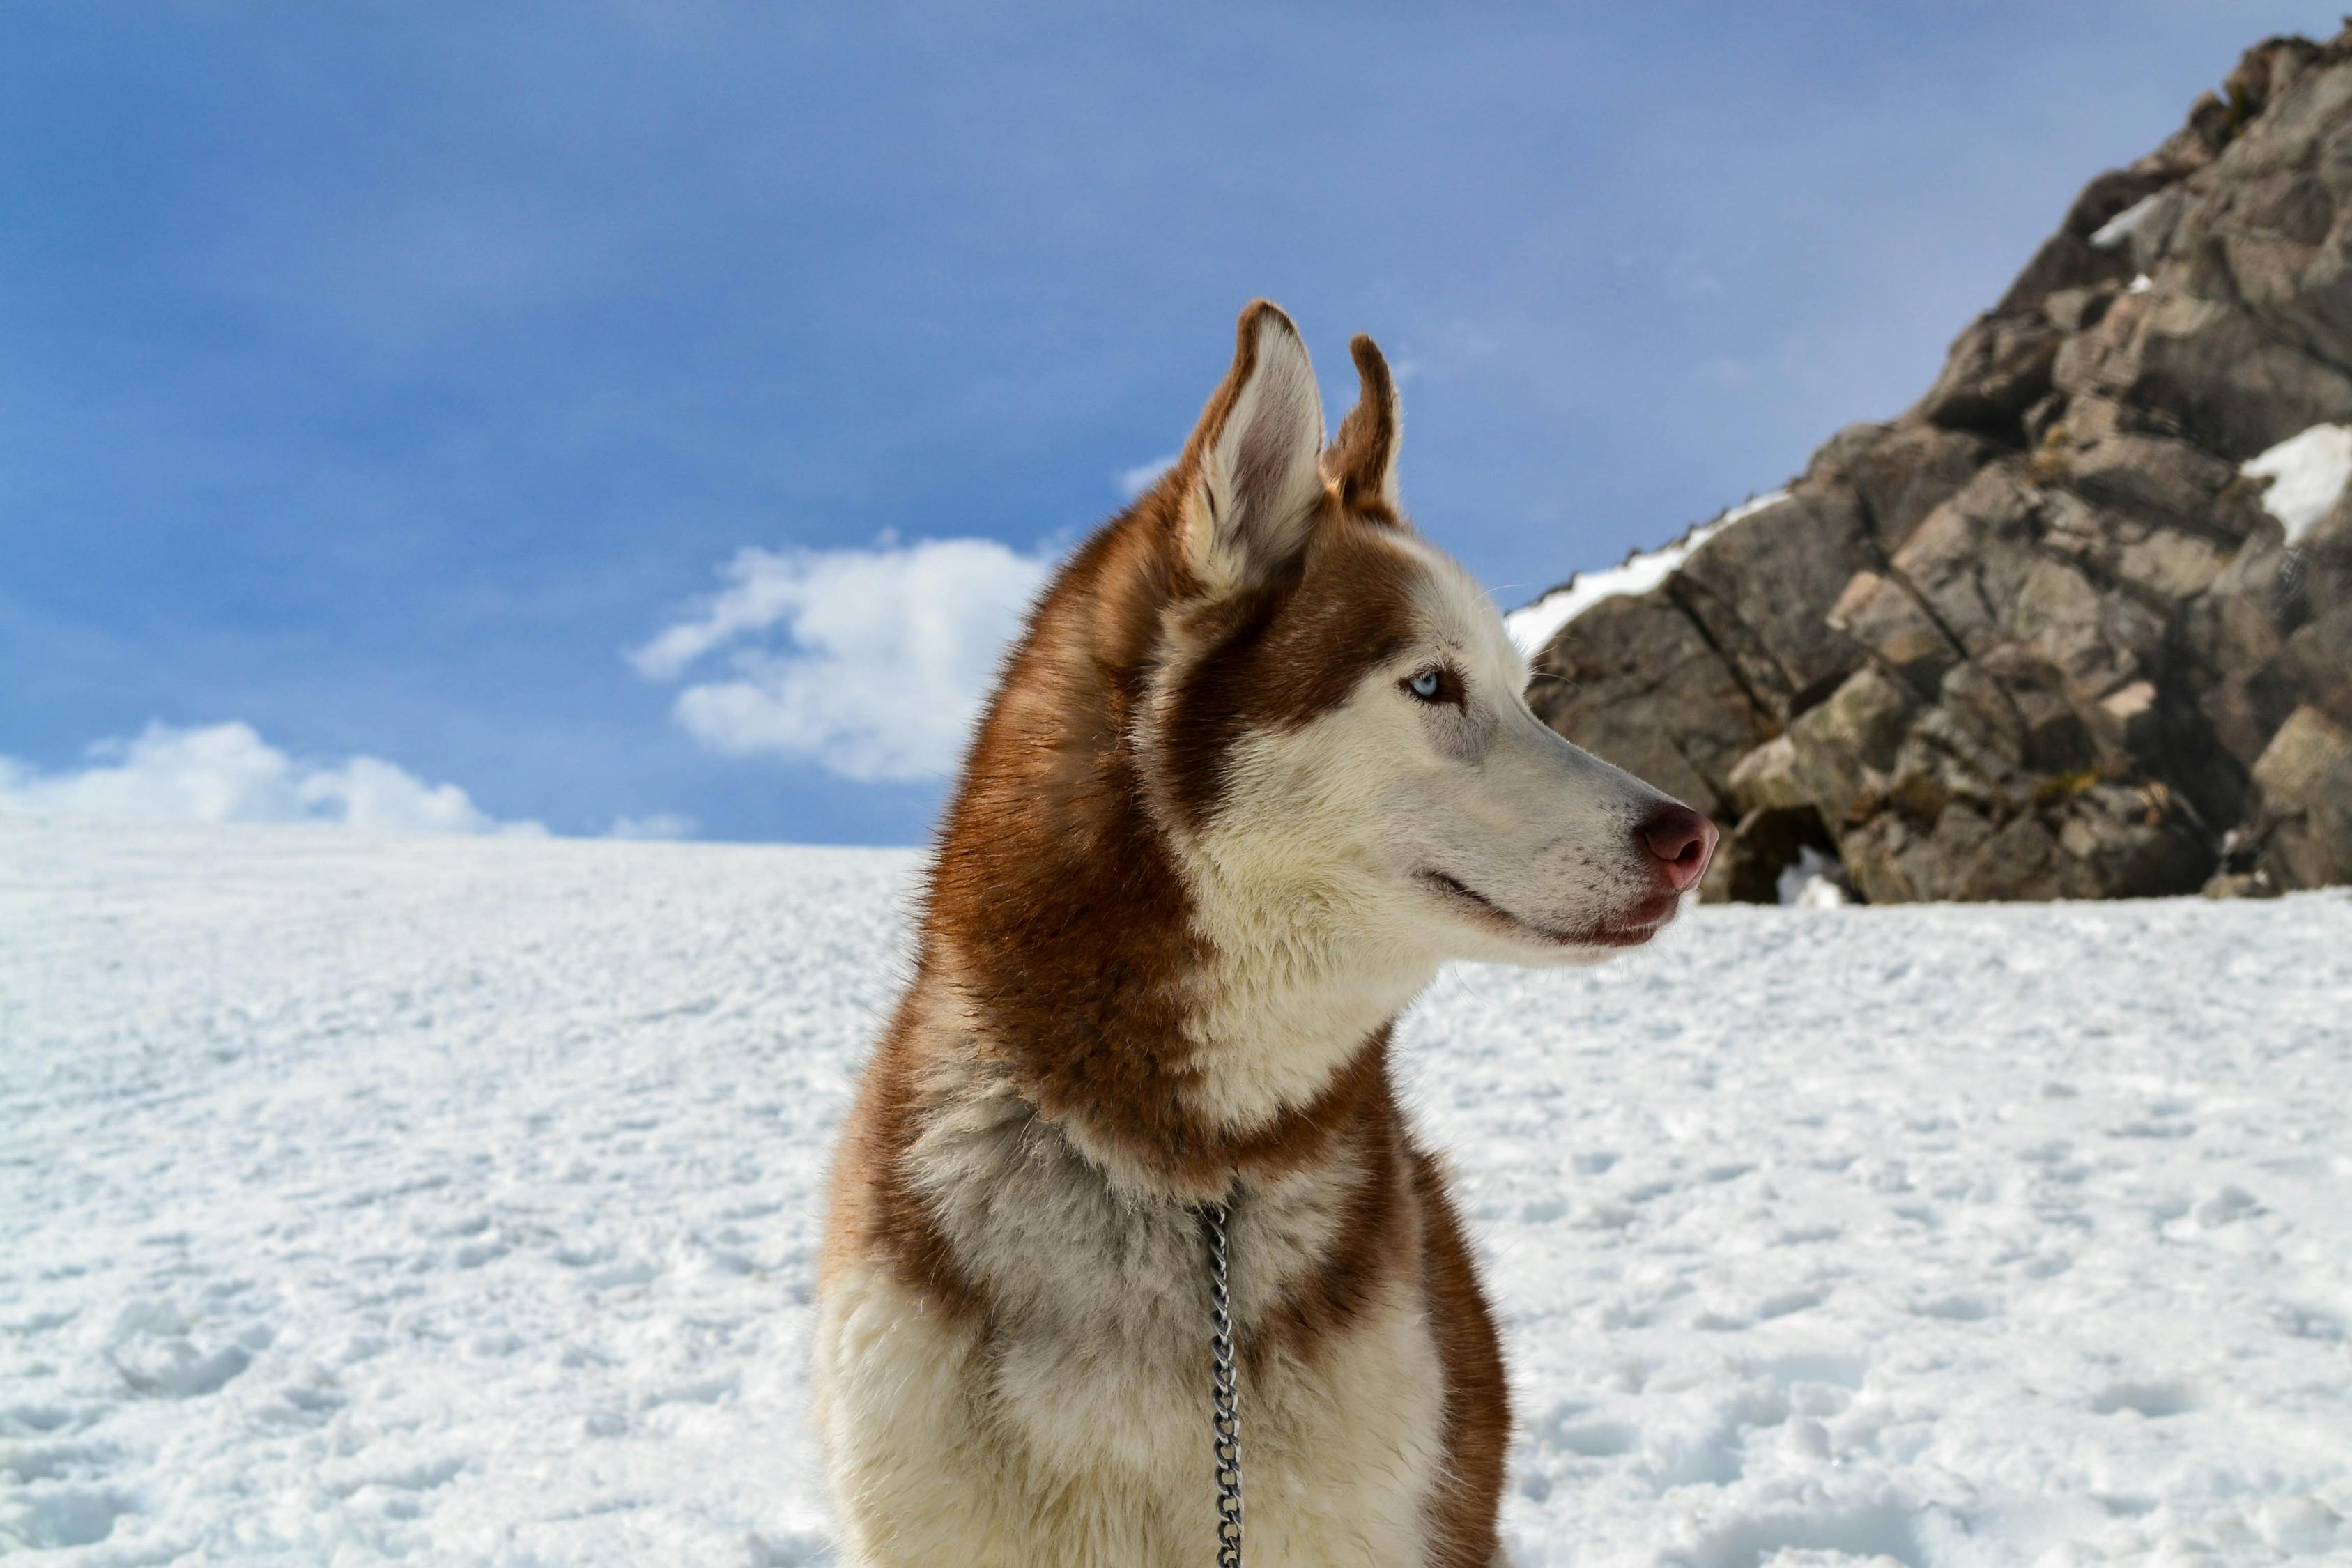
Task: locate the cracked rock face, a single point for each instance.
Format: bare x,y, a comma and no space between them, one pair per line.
2045,634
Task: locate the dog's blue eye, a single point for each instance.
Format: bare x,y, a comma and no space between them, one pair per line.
1427,685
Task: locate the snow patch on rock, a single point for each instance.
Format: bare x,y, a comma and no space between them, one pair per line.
2117,230
1534,625
2307,473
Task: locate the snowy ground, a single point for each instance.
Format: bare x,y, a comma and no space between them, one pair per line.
366,1198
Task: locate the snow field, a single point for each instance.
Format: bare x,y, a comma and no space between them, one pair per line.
456,1201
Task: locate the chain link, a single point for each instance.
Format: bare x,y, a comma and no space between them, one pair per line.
1225,1402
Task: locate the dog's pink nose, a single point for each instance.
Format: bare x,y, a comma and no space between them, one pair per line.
1681,841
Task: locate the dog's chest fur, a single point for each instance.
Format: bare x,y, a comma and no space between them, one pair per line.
1067,1419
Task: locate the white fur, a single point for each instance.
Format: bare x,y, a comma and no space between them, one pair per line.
1259,481
1074,1430
1077,1435
936,1461
1307,879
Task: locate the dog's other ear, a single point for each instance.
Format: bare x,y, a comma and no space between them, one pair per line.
1362,461
1255,488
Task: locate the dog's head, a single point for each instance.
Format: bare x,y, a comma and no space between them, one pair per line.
1335,724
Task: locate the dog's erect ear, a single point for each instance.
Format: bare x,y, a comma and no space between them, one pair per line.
1362,460
1255,488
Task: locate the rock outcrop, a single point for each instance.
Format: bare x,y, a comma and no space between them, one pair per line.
2079,623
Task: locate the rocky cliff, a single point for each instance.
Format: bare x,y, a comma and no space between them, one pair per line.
2077,625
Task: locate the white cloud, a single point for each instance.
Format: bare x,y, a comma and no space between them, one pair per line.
871,663
227,772
1132,482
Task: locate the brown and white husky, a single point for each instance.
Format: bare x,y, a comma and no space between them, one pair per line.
1257,765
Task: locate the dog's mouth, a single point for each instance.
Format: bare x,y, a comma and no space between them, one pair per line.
1648,918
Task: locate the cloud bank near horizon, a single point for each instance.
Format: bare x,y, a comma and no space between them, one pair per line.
228,773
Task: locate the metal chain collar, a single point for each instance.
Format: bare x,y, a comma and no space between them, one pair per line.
1224,1402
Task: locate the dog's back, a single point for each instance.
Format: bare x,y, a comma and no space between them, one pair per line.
1258,763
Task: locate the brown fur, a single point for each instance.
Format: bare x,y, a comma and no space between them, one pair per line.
1477,1398
1285,654
1057,911
1360,454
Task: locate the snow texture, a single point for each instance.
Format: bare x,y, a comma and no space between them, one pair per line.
2307,473
456,1201
1812,881
1532,627
2117,230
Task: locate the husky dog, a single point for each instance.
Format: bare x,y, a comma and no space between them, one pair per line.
1257,765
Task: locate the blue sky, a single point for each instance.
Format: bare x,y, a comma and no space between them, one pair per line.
381,379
